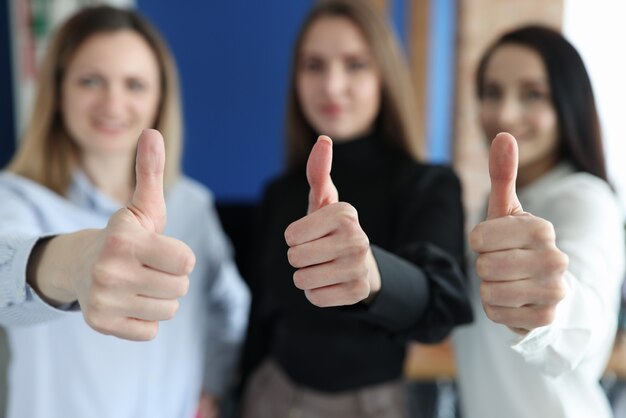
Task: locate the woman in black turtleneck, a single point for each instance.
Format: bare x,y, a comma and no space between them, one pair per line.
329,351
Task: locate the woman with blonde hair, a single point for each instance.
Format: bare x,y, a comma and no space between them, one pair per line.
334,306
65,287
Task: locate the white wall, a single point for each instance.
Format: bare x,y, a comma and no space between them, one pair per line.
598,29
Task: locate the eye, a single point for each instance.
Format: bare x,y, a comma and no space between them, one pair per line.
534,95
312,65
135,85
491,92
356,64
90,81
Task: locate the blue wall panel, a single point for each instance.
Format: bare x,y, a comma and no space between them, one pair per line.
233,59
440,85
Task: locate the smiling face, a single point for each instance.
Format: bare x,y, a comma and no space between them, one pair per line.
517,99
110,93
337,79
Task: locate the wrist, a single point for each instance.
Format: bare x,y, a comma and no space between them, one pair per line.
50,267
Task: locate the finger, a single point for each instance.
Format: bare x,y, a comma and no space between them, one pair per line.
328,248
337,216
525,318
503,158
151,309
148,203
522,231
179,260
519,293
347,293
509,265
125,328
323,191
156,284
328,274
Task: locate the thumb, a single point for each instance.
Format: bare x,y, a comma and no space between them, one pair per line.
148,203
323,191
503,172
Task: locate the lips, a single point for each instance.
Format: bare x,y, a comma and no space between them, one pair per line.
331,110
109,127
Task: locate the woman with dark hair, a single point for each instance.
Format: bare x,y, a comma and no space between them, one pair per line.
548,278
66,287
334,306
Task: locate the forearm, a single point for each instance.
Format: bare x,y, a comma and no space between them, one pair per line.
422,297
20,304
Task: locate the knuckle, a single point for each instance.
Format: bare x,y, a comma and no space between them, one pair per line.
359,246
347,214
316,298
102,278
299,280
187,262
96,306
485,293
555,264
98,322
476,238
542,231
555,292
183,287
172,309
482,266
492,313
118,242
289,235
151,330
292,256
545,316
562,262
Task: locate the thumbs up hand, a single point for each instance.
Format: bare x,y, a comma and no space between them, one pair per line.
518,261
328,246
126,277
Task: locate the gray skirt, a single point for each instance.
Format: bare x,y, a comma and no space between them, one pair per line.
271,394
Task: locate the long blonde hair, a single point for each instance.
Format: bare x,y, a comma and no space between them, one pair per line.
397,121
47,153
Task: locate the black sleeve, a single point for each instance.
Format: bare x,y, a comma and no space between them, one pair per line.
423,294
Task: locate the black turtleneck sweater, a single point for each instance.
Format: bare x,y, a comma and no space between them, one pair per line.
413,216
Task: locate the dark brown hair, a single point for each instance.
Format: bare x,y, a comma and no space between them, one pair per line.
572,95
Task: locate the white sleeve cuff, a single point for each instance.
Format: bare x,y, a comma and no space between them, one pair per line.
559,347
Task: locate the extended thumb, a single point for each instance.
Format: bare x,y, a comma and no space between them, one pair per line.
148,203
323,191
503,160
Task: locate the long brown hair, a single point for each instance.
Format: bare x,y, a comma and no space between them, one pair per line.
397,121
47,154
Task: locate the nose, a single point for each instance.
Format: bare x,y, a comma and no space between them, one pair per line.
112,99
334,80
508,112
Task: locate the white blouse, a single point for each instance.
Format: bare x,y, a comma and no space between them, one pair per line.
553,371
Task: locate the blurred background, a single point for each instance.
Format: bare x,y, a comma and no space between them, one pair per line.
233,60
